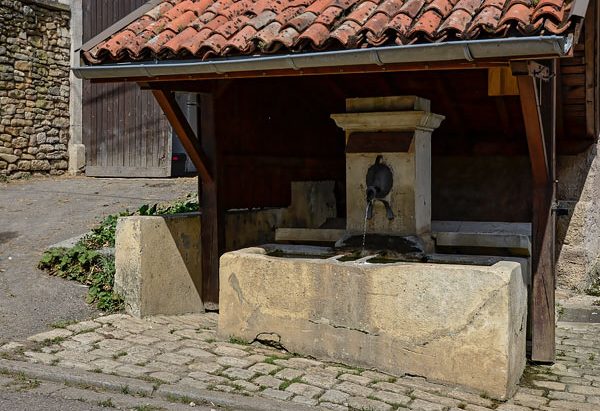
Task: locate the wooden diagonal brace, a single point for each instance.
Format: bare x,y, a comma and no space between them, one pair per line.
527,74
187,136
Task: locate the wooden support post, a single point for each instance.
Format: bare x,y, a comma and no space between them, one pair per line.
213,222
204,154
539,114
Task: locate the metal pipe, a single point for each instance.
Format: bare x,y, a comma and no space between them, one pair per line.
518,47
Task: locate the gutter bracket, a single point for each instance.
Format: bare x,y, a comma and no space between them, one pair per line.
293,63
568,44
216,68
539,71
375,58
468,55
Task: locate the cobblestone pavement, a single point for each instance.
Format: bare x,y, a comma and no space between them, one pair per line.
182,351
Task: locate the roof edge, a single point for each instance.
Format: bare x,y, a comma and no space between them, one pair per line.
469,50
119,25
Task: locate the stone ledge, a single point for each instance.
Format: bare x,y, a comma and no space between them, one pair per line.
49,4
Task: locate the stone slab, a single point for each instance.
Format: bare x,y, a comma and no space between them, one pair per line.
434,320
489,234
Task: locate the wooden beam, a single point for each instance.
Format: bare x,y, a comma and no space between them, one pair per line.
539,114
187,136
212,237
590,70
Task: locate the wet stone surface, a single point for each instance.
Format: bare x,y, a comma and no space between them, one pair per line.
183,351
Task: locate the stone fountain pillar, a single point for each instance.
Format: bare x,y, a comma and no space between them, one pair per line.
398,131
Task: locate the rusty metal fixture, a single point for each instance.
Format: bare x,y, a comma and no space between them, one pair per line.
380,180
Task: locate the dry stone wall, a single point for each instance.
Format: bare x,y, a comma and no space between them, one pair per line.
34,87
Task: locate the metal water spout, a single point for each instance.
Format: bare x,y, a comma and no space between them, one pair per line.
379,183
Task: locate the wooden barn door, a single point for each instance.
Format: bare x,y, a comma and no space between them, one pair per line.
124,131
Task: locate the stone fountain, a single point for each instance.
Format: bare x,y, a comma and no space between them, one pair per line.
382,297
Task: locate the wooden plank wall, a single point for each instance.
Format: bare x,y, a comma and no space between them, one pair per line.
124,130
578,123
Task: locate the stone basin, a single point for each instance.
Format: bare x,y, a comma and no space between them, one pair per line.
460,323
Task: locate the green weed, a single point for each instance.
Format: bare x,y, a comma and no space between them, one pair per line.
106,403
63,323
238,340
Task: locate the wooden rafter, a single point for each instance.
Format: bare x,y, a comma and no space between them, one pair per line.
187,136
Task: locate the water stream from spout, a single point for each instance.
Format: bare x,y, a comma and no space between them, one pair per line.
364,238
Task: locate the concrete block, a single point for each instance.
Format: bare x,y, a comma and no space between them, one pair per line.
462,324
158,265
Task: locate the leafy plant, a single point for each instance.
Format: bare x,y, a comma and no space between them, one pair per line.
594,288
103,235
86,267
83,263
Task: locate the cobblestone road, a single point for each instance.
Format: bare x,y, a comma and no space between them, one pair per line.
183,352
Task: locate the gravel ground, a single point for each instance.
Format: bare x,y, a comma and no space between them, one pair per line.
40,212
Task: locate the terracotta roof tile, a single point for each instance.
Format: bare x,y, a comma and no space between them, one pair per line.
400,24
241,41
175,44
493,3
346,33
412,7
139,25
228,29
266,35
181,22
518,14
391,7
203,29
426,25
317,34
193,44
319,5
288,14
470,6
547,12
329,15
301,22
377,24
362,12
443,7
457,21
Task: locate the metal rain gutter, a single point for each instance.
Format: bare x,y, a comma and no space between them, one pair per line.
509,48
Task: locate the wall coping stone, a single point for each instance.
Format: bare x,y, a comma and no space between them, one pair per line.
49,4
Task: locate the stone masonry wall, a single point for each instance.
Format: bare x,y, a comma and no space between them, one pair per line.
578,234
34,87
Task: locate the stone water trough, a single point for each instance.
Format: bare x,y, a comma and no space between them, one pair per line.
456,319
457,323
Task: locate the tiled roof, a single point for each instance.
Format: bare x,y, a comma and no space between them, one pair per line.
204,29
